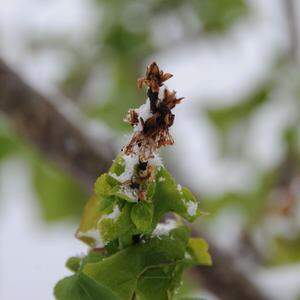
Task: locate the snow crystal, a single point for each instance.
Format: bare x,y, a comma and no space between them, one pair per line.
192,208
179,188
130,161
164,228
93,234
143,112
161,179
115,213
129,192
161,93
156,161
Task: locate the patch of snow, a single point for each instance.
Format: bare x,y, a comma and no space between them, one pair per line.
179,188
156,161
161,92
130,193
115,213
130,161
143,112
164,228
192,208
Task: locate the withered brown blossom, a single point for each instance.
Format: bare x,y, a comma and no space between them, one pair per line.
152,132
154,78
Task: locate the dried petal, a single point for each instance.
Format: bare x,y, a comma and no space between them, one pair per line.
166,76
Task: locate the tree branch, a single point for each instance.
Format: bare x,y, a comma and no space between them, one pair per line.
290,11
224,280
38,120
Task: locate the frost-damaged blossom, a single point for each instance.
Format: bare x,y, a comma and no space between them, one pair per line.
154,78
153,119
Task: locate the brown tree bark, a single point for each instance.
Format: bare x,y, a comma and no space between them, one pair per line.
36,119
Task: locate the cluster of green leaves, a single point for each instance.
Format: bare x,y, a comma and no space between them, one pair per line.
149,270
137,261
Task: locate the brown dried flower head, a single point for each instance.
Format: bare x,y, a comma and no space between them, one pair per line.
154,78
152,120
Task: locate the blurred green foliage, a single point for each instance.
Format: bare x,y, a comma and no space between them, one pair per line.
125,40
226,119
219,15
58,195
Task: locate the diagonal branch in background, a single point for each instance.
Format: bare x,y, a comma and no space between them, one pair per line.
38,120
224,280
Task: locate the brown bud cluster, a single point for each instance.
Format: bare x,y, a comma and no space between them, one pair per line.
155,130
154,78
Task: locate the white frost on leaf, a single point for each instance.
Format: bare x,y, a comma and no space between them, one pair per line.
164,228
192,208
156,161
93,234
129,192
179,188
115,213
129,161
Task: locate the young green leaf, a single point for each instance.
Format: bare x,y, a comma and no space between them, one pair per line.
73,263
172,197
121,271
198,248
141,215
82,287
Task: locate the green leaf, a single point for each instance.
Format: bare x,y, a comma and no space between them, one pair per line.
73,263
118,166
104,185
141,215
82,287
107,186
90,217
198,248
121,271
122,226
171,197
92,257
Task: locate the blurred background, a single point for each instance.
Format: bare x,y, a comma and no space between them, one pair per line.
236,62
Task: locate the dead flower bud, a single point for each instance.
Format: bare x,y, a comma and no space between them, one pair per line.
170,99
153,131
131,117
154,78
